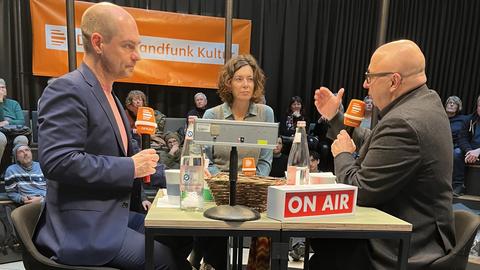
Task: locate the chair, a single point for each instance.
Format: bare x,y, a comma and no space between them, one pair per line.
466,226
24,220
173,124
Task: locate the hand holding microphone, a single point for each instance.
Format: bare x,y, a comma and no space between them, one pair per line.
145,126
145,163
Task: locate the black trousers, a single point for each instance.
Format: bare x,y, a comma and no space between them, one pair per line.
340,254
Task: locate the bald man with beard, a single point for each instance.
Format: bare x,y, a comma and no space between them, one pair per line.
404,166
86,153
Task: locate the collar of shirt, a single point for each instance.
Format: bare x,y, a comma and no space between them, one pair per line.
227,111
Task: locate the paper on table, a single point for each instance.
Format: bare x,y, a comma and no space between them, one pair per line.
164,203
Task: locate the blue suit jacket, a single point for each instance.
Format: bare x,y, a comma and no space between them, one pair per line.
90,176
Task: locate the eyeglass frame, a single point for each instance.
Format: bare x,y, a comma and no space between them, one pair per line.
369,75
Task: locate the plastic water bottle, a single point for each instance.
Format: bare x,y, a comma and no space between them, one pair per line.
299,158
191,172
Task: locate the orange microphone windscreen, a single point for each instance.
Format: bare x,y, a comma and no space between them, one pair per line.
145,123
355,113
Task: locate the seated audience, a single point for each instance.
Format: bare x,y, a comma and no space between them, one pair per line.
470,138
367,120
10,114
134,100
171,156
200,105
294,114
280,160
24,180
453,106
314,161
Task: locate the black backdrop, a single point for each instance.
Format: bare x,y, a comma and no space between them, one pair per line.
300,44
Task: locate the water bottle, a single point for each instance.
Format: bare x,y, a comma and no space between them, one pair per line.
299,158
191,172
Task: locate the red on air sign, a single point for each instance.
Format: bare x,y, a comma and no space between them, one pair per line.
311,201
318,203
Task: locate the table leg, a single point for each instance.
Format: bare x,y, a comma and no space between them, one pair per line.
403,252
235,253
148,250
279,252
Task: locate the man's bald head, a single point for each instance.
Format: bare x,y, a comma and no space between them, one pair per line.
404,57
101,18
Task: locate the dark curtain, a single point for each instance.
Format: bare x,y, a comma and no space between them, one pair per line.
448,33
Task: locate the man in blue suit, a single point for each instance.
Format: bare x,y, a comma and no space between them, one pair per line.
85,151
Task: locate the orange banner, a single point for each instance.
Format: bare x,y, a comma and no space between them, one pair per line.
176,49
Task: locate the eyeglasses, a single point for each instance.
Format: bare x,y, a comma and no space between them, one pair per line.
369,76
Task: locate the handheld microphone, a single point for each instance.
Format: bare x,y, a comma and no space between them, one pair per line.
145,125
354,115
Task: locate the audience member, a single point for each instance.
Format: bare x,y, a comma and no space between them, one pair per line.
470,139
200,105
240,86
314,162
171,156
367,120
134,100
280,160
87,156
405,163
24,181
294,114
10,114
453,106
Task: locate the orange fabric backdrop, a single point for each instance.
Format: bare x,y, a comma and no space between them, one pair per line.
177,49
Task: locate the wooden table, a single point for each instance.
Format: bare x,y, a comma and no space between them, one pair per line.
173,222
365,224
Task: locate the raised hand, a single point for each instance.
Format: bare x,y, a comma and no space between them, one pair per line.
327,103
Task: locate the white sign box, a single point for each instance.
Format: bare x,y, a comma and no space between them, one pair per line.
307,201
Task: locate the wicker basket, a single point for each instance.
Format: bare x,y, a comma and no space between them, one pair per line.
251,190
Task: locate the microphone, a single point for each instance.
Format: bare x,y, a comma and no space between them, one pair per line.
145,125
354,115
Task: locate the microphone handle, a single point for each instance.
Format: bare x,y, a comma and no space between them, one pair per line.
349,130
146,145
145,141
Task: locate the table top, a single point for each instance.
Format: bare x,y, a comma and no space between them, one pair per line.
364,219
160,217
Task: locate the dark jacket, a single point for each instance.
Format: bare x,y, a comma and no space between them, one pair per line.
404,169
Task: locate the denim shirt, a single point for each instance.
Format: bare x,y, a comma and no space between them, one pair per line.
219,161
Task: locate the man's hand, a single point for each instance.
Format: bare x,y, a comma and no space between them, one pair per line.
472,156
146,205
327,103
31,199
3,123
145,162
343,143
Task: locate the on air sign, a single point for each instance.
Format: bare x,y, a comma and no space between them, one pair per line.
306,201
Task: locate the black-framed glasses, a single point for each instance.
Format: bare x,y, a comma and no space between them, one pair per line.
369,75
